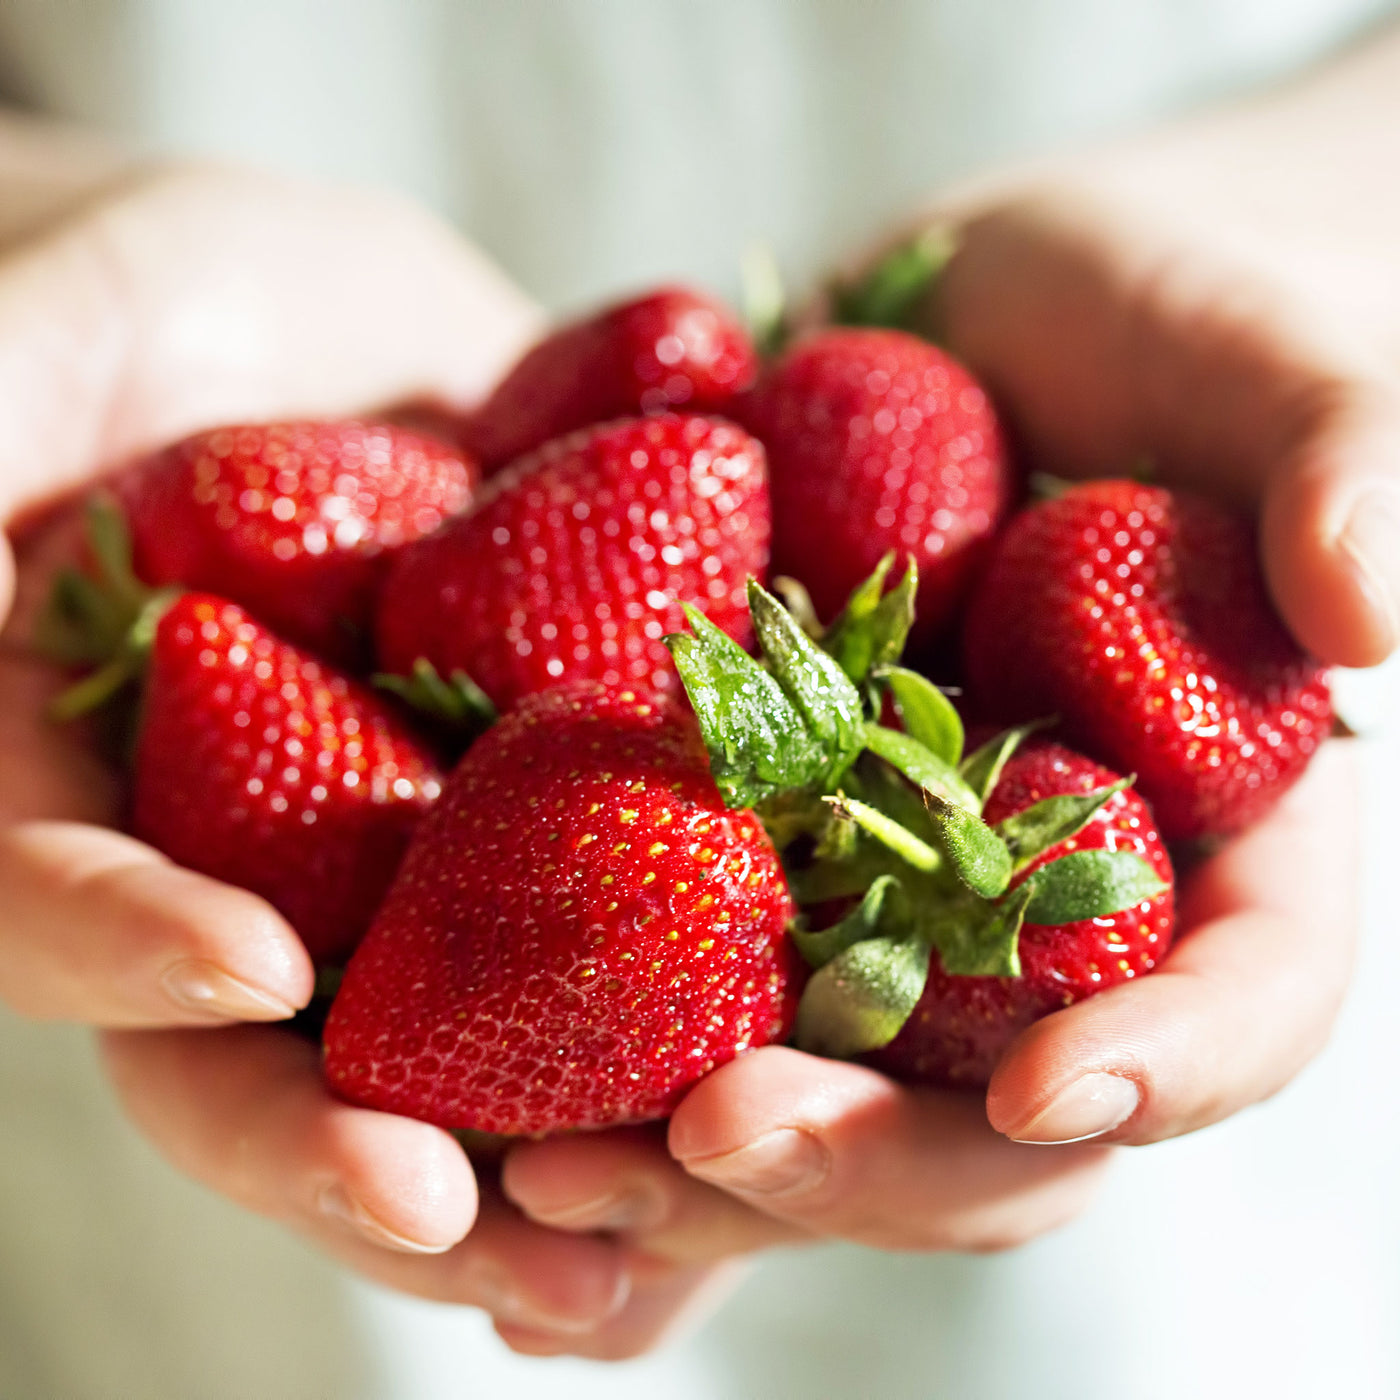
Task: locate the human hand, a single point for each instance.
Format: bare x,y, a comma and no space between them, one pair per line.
1107,342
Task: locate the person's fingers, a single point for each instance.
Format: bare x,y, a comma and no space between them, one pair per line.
204,296
626,1184
666,1301
1112,340
838,1149
100,928
1239,1006
245,1111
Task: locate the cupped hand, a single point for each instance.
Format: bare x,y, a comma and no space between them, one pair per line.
1109,341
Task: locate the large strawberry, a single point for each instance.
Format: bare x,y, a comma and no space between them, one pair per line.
962,1024
573,563
295,521
580,931
1140,617
672,349
252,761
878,441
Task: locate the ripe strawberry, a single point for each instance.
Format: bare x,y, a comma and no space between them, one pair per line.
295,521
670,349
572,564
962,1024
1140,617
878,441
259,765
580,931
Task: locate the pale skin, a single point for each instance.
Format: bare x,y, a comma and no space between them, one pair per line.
1164,299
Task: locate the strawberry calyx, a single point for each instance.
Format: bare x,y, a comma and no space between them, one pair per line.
887,819
105,618
456,704
892,292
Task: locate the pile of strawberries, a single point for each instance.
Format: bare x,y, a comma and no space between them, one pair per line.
513,731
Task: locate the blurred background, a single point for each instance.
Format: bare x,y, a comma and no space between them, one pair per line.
593,146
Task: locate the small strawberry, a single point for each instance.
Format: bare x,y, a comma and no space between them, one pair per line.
961,1025
672,349
580,931
294,521
252,761
1140,617
572,563
878,441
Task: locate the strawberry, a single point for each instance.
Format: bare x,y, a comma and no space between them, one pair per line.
579,932
572,563
295,521
878,441
1140,617
670,349
961,1025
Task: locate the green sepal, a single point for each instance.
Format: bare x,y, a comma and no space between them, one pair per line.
982,769
921,766
926,713
767,733
458,702
889,833
860,999
1033,830
763,299
982,940
819,946
1089,885
798,602
124,669
874,625
812,680
972,848
892,292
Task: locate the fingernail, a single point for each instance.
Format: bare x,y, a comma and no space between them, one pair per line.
210,991
1371,540
339,1204
1093,1105
494,1290
612,1212
787,1160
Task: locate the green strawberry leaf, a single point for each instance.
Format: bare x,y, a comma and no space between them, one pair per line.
760,745
982,770
1034,830
888,832
891,292
921,766
458,702
820,946
972,848
927,714
874,625
862,997
978,939
814,683
1089,885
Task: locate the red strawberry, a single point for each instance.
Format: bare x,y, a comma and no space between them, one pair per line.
1140,617
878,441
572,565
260,766
670,349
961,1025
580,931
295,521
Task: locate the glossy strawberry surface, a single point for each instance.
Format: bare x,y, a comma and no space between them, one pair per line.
671,349
961,1025
1139,616
294,521
878,441
580,931
574,563
265,768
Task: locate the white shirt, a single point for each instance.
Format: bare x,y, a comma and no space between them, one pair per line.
591,146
